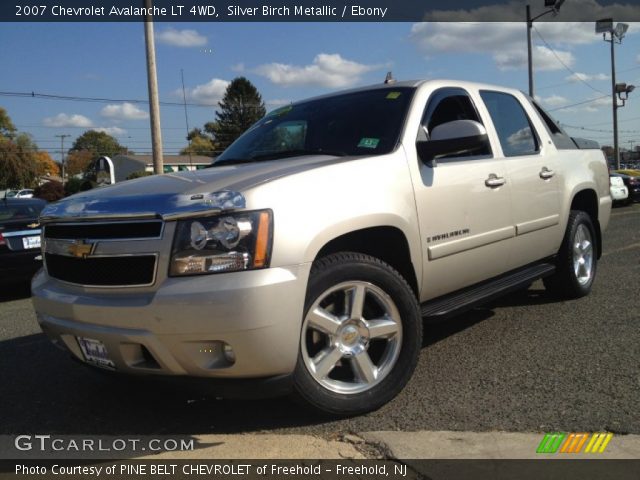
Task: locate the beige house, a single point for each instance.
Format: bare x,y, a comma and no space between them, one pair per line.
125,165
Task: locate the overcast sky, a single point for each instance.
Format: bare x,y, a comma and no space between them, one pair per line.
292,61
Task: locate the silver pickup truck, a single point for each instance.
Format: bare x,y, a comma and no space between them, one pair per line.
308,257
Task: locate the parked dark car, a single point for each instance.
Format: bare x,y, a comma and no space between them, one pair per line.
20,255
633,185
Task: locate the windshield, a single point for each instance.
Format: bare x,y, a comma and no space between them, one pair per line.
360,123
20,211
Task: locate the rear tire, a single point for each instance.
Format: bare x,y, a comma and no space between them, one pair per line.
361,335
577,259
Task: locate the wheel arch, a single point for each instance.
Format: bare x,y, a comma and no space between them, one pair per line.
387,243
586,200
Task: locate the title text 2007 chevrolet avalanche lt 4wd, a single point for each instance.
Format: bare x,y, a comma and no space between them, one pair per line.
308,255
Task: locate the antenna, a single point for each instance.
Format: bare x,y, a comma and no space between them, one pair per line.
389,78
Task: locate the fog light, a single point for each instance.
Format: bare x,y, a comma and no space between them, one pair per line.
229,354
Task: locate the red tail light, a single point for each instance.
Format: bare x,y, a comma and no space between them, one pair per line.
2,240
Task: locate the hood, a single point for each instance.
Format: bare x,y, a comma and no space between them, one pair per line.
177,195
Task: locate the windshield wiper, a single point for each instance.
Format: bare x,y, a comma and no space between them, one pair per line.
277,155
298,153
230,161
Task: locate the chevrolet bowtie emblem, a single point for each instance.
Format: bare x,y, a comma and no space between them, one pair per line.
80,249
33,225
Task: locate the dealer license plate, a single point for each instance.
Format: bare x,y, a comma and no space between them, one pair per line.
31,242
95,352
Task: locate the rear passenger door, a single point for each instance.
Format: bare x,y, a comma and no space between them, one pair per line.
464,211
532,175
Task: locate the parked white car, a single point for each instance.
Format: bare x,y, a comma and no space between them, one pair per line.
619,191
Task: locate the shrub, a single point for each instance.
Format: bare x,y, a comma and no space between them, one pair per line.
49,191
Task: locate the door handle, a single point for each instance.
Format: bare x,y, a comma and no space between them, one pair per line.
546,174
494,181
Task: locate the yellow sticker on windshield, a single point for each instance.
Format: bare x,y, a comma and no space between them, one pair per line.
393,95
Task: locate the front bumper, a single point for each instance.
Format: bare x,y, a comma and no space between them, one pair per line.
182,327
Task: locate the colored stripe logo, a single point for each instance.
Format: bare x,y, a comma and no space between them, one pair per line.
574,442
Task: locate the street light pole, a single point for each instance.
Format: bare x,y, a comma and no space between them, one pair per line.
614,99
618,32
555,8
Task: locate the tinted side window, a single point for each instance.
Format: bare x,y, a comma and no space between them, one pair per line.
512,124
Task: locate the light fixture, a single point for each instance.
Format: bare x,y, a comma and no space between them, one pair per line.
618,90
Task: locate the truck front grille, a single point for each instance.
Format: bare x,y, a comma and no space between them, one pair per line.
103,254
105,231
106,271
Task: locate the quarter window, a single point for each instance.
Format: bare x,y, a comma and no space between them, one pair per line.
514,129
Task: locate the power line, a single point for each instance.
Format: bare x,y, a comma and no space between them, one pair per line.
577,76
578,103
46,96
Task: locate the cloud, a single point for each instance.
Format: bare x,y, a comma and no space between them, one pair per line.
598,104
124,111
505,42
210,92
585,77
181,38
64,120
277,102
513,11
553,100
115,131
238,68
327,70
543,59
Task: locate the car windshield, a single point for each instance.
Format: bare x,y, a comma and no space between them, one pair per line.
359,123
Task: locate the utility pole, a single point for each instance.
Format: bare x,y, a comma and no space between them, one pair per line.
62,137
154,103
186,117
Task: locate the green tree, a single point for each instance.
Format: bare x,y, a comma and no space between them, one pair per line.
98,143
7,128
18,165
200,143
241,107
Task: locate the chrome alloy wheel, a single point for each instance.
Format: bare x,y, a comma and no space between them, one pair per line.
583,255
351,337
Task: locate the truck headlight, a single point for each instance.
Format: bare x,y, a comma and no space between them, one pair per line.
224,243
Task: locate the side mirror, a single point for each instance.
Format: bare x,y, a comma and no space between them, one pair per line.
453,138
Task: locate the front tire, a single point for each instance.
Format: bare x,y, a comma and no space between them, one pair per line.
361,335
577,259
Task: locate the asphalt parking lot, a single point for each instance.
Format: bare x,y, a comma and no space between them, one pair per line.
525,363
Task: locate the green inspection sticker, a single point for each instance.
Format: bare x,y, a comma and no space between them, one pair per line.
368,142
393,95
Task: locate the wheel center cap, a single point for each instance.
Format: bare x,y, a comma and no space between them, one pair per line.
349,335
